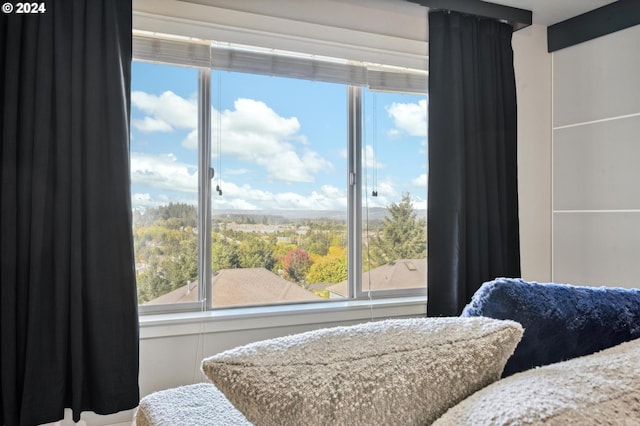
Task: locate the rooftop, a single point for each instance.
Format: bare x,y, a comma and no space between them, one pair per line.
242,287
401,273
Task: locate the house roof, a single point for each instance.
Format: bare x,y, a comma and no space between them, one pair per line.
401,273
186,293
242,287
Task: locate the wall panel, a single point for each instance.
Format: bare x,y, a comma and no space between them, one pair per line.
597,166
596,161
597,79
599,248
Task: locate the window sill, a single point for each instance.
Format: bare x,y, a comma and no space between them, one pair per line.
240,319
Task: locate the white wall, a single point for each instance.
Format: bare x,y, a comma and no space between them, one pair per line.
596,161
532,65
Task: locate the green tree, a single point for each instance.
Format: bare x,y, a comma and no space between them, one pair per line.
183,265
225,255
167,259
402,236
317,242
152,282
256,252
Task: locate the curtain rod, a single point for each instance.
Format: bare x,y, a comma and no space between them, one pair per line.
518,18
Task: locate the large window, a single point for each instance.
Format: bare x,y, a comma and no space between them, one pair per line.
264,178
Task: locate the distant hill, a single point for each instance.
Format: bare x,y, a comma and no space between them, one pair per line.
375,214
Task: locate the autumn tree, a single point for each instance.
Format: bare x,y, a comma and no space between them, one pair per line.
296,265
331,268
402,235
279,253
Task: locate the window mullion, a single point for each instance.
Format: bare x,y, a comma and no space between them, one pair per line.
354,214
205,174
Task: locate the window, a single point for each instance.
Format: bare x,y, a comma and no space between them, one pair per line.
164,179
262,177
279,198
395,192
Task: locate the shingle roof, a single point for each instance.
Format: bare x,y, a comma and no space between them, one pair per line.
242,287
401,273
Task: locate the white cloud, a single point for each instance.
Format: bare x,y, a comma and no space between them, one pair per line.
150,124
256,117
419,204
409,118
143,200
174,110
236,172
191,141
162,171
315,163
252,132
387,194
420,180
245,197
256,134
370,158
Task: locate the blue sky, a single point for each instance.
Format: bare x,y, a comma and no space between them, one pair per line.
283,141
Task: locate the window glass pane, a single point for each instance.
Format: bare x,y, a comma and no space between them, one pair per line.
279,197
164,181
394,162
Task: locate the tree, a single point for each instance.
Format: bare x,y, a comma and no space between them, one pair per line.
183,265
152,283
173,215
331,268
168,259
255,252
279,253
403,234
225,255
296,265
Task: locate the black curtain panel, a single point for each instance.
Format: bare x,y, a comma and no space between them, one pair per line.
473,188
68,308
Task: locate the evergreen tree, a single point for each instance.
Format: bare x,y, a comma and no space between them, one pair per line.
403,234
256,252
225,255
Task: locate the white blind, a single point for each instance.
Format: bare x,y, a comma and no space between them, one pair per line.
395,81
277,63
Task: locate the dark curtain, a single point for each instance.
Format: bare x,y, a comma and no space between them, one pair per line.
68,308
473,188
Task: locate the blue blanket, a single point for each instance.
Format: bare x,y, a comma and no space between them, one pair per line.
561,321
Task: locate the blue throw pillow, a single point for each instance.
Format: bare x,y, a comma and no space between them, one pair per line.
560,321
